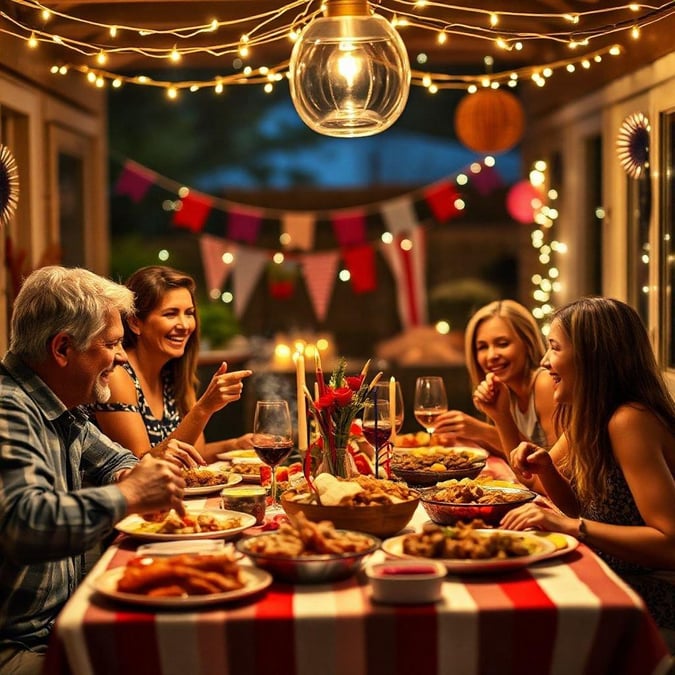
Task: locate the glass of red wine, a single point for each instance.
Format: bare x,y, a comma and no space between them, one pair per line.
430,401
272,437
377,418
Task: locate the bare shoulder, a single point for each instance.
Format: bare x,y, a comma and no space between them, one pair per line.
628,417
635,431
122,388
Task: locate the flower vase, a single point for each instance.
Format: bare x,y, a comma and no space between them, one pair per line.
336,460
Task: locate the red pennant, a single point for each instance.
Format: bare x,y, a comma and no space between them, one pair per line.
441,199
193,213
360,261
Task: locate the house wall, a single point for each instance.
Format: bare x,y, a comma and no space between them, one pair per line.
565,133
56,130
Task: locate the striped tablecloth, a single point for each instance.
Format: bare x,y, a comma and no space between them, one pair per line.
567,616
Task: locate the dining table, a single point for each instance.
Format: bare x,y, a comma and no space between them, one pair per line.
565,615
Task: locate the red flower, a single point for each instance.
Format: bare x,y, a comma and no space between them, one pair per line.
354,382
326,401
343,396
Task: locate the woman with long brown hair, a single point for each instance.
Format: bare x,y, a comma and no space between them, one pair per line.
611,474
154,395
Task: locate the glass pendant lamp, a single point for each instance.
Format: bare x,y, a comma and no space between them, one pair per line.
349,72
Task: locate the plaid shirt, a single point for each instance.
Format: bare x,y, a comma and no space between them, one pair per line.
47,518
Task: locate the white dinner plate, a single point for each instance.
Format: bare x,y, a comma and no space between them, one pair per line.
557,538
134,524
255,580
184,547
233,479
394,548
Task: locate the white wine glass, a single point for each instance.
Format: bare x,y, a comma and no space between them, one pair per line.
431,401
272,437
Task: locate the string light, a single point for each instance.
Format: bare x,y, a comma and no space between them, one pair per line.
287,22
547,282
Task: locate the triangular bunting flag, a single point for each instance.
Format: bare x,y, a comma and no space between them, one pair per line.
215,270
299,226
243,224
194,211
486,180
134,181
349,227
441,199
408,268
319,272
248,266
360,261
399,215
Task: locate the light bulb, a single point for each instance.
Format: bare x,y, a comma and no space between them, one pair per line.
349,72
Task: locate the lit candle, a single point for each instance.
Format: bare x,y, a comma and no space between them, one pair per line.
319,372
299,358
392,407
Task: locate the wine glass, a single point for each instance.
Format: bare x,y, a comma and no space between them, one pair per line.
381,392
431,401
272,437
376,423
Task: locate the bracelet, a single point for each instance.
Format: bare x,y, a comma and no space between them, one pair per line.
582,532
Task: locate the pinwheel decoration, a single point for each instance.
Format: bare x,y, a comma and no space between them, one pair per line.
9,185
632,144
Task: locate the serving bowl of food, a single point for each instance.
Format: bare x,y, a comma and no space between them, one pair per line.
305,552
426,466
365,504
468,500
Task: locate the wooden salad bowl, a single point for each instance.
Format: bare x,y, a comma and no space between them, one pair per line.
380,520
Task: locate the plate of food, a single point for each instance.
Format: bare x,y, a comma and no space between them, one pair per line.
196,524
208,479
466,549
181,581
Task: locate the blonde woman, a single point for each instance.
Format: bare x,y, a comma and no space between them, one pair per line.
503,348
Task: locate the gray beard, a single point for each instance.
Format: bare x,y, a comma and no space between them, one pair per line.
101,393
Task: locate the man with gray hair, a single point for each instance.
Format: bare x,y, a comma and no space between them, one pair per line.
66,339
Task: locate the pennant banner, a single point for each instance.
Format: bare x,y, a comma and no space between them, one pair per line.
408,267
300,228
399,215
349,228
193,213
360,261
441,199
215,270
319,272
134,181
249,265
243,224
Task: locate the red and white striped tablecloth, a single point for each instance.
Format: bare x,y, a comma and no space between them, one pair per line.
567,616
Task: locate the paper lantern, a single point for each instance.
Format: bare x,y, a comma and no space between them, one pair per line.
491,120
523,201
